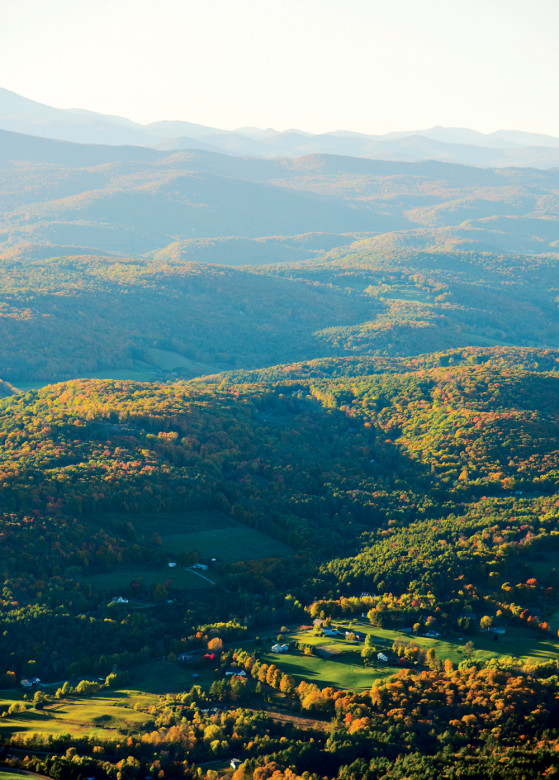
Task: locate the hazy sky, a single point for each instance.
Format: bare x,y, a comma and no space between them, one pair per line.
366,65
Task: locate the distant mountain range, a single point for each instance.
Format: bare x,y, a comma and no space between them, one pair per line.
504,148
59,197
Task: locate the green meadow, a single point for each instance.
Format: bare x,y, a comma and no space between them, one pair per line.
114,713
121,578
212,534
338,663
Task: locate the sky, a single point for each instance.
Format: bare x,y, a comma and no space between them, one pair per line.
371,66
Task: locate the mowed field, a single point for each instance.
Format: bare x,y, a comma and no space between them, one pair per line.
121,578
341,670
161,677
211,534
338,662
230,545
114,713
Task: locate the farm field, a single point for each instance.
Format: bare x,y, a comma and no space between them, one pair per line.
345,670
233,544
167,523
160,677
211,533
121,578
166,360
158,361
114,712
339,663
525,644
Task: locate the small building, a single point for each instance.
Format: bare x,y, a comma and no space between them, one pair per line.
280,648
119,600
235,763
382,657
200,566
171,564
497,630
185,658
432,634
332,632
30,682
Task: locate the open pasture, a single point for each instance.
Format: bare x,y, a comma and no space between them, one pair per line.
165,523
160,677
337,662
339,670
523,643
111,714
231,545
120,579
211,533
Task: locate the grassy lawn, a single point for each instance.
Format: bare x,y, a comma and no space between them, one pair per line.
517,642
338,663
121,578
233,544
212,533
170,523
81,716
345,670
159,677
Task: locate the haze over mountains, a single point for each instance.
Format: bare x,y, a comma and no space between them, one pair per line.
163,262
135,200
504,148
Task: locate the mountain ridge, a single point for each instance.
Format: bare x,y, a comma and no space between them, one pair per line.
462,145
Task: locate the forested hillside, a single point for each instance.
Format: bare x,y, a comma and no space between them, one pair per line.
130,200
72,316
166,317
421,493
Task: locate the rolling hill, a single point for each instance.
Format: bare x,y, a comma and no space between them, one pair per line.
130,200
